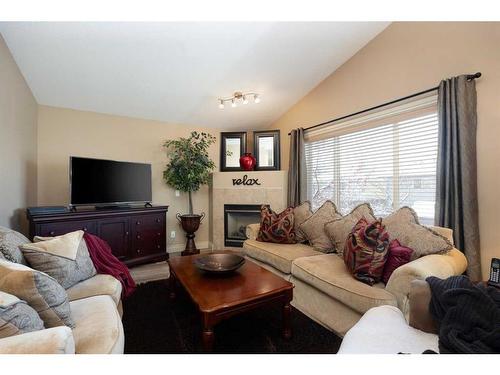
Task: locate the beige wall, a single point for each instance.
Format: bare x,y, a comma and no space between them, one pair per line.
407,58
18,116
64,133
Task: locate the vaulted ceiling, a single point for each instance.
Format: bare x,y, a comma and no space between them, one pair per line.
175,72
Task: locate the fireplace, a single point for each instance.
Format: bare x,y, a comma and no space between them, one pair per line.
236,219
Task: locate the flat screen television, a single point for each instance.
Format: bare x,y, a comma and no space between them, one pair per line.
97,182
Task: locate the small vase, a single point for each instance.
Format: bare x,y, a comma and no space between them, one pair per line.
247,162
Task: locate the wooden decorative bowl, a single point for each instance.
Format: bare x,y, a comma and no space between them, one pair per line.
219,263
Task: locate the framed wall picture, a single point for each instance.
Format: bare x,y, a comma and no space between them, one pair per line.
232,146
266,149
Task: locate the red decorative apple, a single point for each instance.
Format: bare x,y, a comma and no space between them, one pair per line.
247,162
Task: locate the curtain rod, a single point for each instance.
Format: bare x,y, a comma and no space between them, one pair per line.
469,77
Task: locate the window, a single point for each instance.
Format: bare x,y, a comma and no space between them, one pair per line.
388,159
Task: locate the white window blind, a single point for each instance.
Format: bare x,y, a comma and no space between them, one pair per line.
387,159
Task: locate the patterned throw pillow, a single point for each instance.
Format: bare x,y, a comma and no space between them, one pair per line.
10,240
65,258
314,230
40,291
365,251
17,317
338,230
301,213
398,255
403,225
277,228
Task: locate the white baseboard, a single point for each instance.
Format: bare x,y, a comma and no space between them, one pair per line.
177,247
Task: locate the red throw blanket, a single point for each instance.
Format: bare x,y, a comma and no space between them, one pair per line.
105,262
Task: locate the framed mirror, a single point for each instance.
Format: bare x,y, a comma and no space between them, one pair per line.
232,146
266,148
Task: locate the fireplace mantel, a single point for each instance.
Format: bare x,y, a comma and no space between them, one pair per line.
259,187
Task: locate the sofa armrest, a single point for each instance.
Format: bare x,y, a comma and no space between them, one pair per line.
440,265
57,340
252,231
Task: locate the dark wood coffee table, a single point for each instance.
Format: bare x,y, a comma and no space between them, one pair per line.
219,297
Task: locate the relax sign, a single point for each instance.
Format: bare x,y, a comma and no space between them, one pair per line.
245,181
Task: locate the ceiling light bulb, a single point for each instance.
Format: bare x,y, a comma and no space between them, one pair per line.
256,99
233,103
221,104
245,100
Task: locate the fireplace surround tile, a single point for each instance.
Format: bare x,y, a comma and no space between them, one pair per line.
272,190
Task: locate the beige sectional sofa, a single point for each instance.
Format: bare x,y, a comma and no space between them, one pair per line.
96,309
326,291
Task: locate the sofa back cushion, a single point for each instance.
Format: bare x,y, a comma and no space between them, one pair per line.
301,213
403,225
366,250
40,291
17,317
338,230
314,227
65,258
276,228
10,240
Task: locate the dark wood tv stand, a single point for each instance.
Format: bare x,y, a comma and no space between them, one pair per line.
136,235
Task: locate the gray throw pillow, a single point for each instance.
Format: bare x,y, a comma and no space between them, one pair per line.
67,268
301,213
10,240
17,317
40,291
404,226
313,228
338,230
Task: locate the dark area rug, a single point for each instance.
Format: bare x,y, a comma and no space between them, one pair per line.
154,324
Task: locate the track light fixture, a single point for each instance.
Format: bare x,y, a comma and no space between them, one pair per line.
239,96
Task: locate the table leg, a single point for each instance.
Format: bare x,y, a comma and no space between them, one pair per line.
208,339
172,284
287,326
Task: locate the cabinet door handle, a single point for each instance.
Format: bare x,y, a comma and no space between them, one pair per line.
126,233
84,229
158,220
138,251
138,236
159,233
138,223
52,233
158,246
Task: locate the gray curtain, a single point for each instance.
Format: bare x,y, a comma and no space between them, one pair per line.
456,193
297,169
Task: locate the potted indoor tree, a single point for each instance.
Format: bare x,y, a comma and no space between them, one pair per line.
189,168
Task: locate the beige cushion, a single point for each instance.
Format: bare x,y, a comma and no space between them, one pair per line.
95,286
99,329
57,340
329,274
403,225
63,246
338,230
313,228
280,256
301,214
40,291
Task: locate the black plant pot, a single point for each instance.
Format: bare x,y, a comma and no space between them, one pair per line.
190,224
